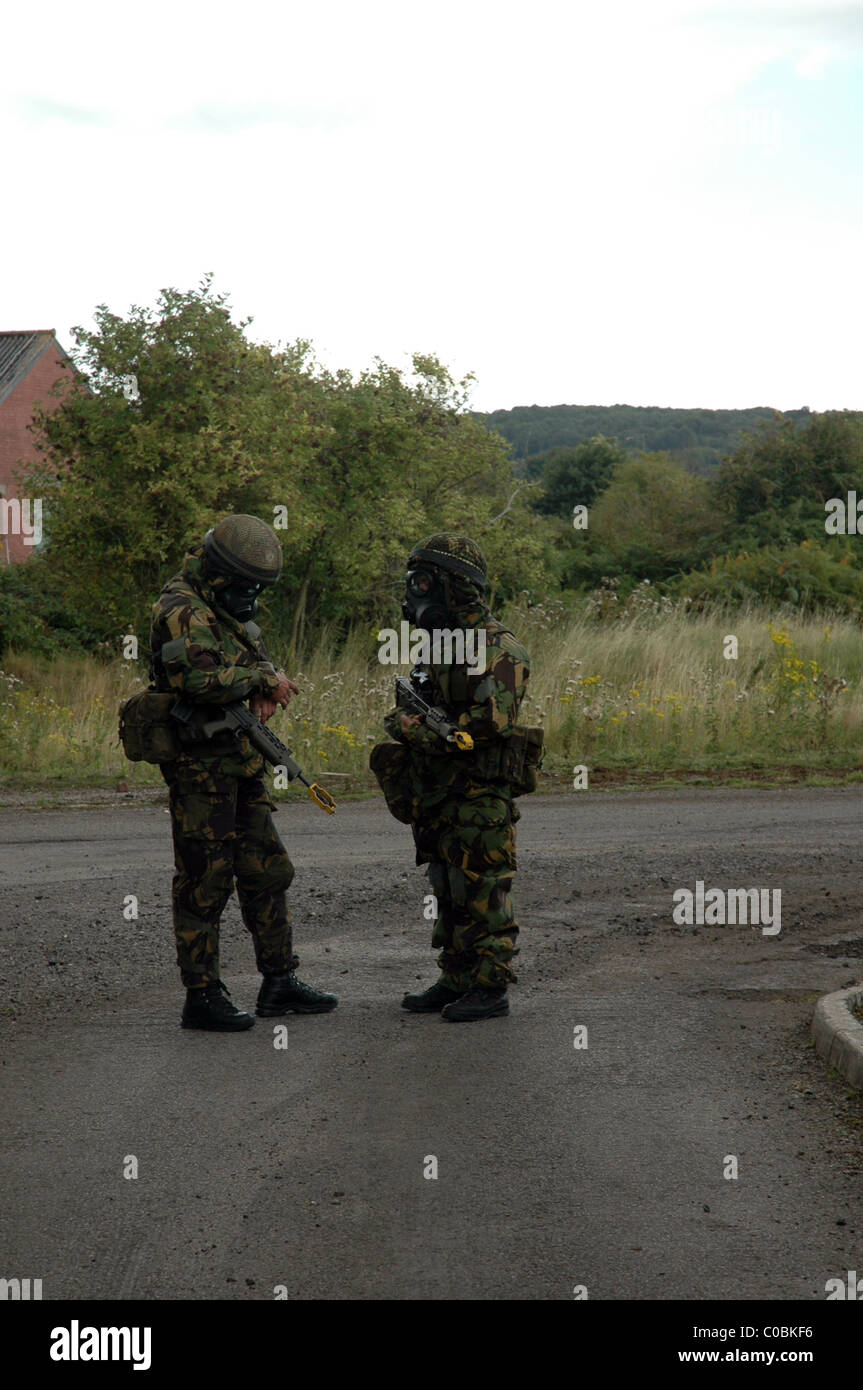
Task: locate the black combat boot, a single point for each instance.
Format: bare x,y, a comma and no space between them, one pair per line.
432,1000
476,1004
285,994
211,1008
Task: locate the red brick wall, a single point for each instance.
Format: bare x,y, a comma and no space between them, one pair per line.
16,441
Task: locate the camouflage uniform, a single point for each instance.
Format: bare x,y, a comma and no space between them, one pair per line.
461,804
221,813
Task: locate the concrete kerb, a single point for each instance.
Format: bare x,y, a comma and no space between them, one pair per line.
839,1035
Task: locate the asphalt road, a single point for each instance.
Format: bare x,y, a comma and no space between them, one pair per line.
303,1168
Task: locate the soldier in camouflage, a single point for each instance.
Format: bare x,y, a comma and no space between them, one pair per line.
460,804
206,647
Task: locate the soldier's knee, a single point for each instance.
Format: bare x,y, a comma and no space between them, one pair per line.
203,894
273,874
283,871
220,870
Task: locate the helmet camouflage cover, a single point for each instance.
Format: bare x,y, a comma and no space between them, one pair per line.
456,554
246,546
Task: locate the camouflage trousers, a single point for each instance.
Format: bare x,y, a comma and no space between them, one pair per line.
469,844
223,831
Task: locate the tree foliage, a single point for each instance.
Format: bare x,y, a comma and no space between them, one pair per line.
805,576
363,467
655,518
699,439
776,484
571,477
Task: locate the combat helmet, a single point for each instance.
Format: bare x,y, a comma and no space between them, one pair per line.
455,554
445,574
244,546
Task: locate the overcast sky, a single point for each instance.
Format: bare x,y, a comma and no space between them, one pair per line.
655,202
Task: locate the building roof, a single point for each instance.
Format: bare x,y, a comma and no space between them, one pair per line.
19,353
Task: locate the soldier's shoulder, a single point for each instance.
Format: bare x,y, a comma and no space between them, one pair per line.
178,596
499,641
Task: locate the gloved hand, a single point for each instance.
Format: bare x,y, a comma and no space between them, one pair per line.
286,688
262,707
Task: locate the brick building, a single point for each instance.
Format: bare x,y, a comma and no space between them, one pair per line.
30,364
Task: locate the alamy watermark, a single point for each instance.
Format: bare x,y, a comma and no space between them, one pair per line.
844,517
732,906
22,516
76,1343
440,647
20,1290
850,1288
742,127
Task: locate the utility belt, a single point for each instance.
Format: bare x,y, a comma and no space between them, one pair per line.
149,734
515,760
220,745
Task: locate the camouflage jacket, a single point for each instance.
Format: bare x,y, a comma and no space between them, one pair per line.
484,704
211,658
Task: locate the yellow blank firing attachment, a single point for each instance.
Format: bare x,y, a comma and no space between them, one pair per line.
321,797
463,741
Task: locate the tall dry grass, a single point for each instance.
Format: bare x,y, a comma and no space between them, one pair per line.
650,690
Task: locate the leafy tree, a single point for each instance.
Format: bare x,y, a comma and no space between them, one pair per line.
698,438
577,476
403,459
803,576
363,468
219,425
34,614
655,517
775,485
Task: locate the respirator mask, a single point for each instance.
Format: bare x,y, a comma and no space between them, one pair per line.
233,592
426,604
240,599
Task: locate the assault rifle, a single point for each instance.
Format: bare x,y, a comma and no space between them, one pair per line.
238,718
407,698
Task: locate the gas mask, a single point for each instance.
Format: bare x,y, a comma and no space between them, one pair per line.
239,598
426,604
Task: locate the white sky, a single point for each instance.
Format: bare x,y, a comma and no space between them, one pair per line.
655,202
